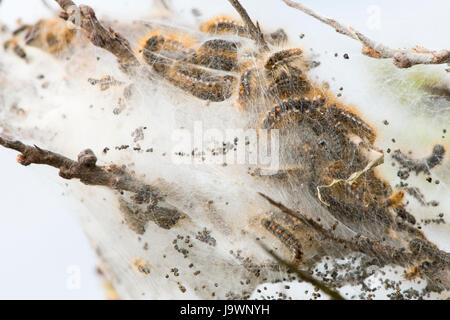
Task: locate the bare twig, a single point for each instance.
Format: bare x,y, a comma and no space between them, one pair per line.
85,169
334,295
295,214
254,31
101,37
402,58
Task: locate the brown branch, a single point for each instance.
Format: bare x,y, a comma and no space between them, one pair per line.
85,169
296,214
402,58
101,37
254,31
334,295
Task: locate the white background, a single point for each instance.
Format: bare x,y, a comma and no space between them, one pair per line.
41,243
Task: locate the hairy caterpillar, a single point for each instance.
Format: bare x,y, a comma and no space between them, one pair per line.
284,236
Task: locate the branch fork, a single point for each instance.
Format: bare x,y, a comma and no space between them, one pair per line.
402,58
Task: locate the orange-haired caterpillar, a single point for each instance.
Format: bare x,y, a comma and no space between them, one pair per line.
288,87
249,90
282,70
52,36
285,237
281,57
224,25
299,106
218,54
352,122
331,123
201,83
395,199
311,112
160,53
